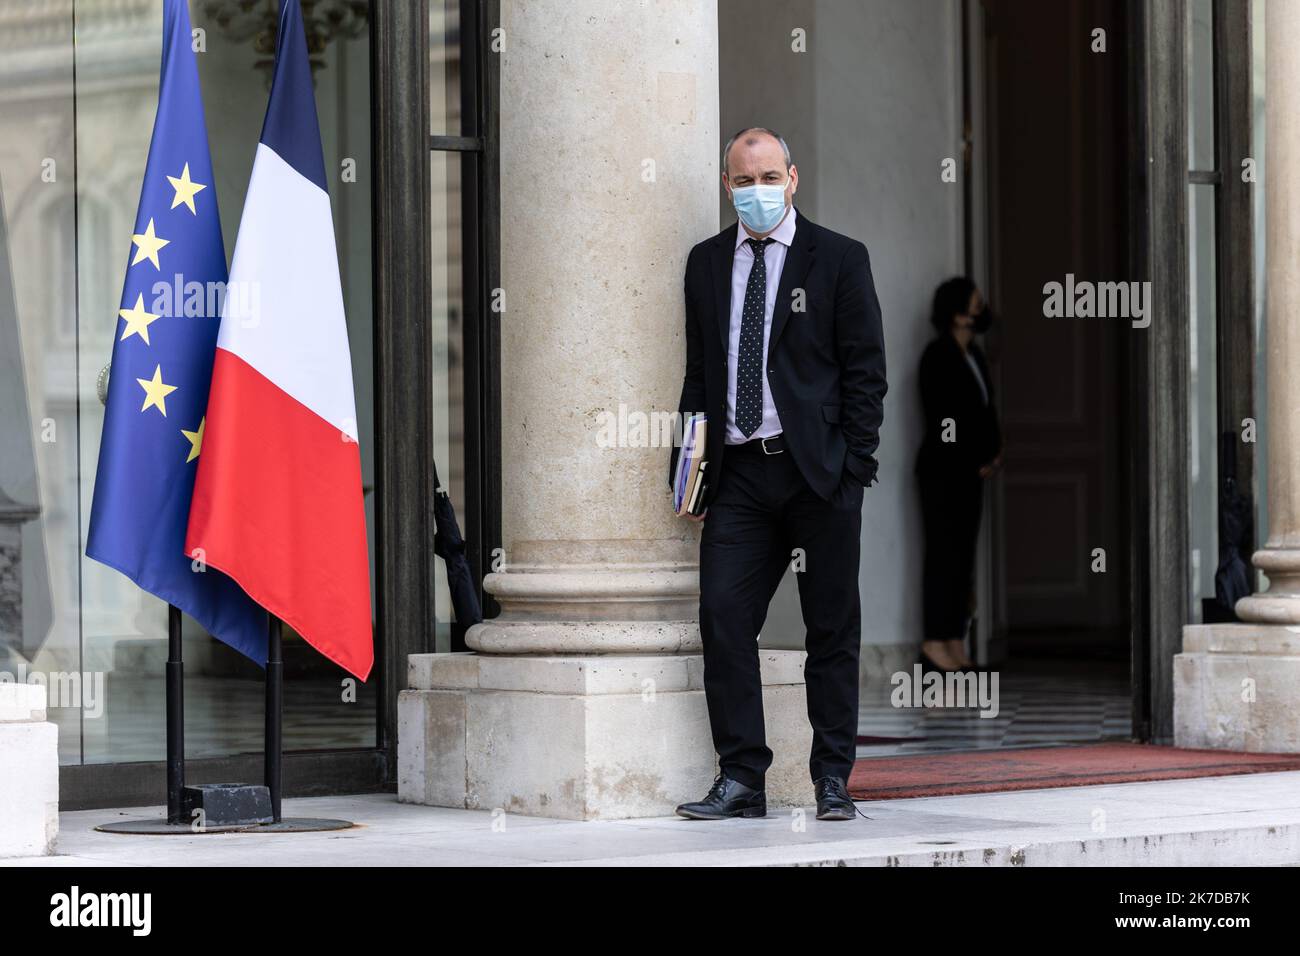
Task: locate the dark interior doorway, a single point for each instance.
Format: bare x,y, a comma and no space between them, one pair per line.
1055,107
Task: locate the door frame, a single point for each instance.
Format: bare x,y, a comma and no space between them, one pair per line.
1160,174
404,586
989,626
477,145
1159,546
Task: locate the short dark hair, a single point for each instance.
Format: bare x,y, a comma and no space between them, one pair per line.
726,150
951,298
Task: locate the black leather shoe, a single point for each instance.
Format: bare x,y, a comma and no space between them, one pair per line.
726,798
833,801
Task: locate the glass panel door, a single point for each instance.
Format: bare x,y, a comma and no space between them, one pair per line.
40,625
74,138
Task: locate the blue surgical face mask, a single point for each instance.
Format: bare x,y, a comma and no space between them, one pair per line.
760,208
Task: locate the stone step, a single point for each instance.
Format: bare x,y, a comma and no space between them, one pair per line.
1265,844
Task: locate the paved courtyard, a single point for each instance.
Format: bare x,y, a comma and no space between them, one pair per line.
1242,820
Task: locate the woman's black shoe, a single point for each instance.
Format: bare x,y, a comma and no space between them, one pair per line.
930,667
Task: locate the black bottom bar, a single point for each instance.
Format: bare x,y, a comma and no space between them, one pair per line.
1096,903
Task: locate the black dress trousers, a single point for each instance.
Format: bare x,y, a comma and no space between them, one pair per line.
762,511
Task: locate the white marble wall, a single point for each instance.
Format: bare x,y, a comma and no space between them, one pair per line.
869,111
29,772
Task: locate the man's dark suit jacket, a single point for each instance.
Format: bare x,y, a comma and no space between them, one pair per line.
825,364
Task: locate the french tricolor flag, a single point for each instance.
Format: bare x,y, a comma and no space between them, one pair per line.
277,500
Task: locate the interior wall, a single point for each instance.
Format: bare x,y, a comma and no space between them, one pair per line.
870,111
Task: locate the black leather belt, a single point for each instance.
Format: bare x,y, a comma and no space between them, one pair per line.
767,446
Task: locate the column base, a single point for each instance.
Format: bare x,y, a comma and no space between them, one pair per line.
1235,688
29,769
1269,608
615,608
1280,604
497,636
582,738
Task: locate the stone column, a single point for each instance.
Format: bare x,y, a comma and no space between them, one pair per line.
1237,686
609,174
585,699
1280,556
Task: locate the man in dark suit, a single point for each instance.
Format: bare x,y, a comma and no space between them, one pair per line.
785,354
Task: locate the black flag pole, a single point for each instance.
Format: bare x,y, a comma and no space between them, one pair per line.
273,752
176,820
223,807
175,717
274,715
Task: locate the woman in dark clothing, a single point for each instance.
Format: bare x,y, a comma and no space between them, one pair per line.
962,447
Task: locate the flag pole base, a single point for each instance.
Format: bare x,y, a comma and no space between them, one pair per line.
302,825
161,827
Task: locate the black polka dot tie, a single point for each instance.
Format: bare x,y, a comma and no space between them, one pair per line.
749,367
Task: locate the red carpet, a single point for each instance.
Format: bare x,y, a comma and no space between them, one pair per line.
941,774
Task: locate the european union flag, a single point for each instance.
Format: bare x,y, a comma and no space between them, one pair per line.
162,364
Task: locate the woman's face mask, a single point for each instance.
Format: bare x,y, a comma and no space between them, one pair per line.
978,316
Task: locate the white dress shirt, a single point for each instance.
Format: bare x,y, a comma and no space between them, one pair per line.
774,260
979,379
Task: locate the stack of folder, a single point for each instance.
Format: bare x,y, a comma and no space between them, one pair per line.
689,482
